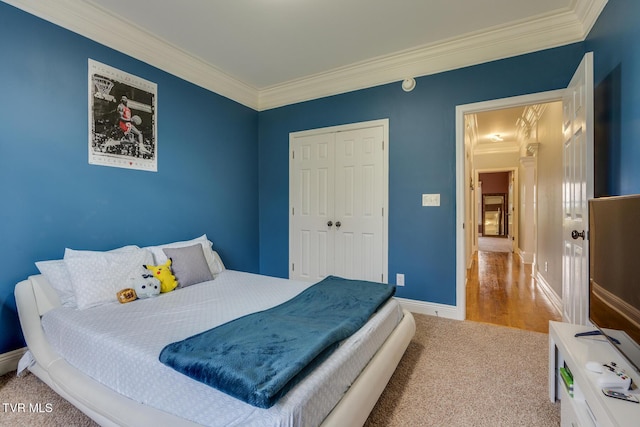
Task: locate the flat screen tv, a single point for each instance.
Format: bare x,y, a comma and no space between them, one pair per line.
614,272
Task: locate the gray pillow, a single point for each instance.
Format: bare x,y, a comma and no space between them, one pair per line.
188,265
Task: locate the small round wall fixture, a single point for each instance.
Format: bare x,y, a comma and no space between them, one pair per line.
408,84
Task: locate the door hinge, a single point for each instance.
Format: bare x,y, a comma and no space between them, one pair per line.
293,267
293,211
293,155
383,144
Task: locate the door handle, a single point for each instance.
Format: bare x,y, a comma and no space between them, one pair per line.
575,234
330,223
338,224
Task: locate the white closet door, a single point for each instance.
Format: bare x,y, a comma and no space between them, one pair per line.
338,195
359,204
312,206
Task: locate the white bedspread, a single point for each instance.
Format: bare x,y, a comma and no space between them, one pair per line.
119,344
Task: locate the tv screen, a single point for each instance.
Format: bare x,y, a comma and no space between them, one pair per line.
614,272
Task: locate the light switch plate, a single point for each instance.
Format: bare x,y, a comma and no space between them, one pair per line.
431,200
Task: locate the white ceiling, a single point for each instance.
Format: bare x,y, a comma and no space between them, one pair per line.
269,42
501,123
268,53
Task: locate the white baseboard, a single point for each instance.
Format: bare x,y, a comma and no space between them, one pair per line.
525,257
9,361
430,308
555,299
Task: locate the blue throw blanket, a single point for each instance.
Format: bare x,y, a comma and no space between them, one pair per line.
258,358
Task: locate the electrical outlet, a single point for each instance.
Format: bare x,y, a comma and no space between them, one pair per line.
399,279
546,266
431,200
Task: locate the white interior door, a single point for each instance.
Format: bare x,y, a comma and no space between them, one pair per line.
338,193
358,204
312,206
577,184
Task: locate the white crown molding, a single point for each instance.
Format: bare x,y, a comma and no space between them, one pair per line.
99,25
543,32
587,12
480,150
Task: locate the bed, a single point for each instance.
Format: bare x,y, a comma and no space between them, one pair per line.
120,382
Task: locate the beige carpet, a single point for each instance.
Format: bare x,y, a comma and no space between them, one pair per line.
453,374
469,374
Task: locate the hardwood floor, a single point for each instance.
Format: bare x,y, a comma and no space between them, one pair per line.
500,290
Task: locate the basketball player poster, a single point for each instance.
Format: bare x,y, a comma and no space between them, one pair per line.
122,119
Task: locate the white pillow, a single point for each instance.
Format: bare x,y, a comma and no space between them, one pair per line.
213,259
97,277
68,253
217,262
58,276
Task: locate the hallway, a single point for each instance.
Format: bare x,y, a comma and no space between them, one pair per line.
500,290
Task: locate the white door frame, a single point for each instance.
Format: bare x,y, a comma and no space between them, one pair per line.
384,123
461,111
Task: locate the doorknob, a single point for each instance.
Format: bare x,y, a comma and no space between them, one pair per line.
338,224
575,234
330,223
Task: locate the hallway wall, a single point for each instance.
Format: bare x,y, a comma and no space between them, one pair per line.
549,221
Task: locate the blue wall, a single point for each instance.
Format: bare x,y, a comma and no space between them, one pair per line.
614,41
421,160
223,168
52,198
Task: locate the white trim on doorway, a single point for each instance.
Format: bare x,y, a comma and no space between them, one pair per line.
461,111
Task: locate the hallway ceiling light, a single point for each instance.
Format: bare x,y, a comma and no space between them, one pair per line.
496,137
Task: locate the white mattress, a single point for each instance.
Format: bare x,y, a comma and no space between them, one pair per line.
118,345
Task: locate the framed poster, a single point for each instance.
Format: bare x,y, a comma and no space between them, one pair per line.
122,119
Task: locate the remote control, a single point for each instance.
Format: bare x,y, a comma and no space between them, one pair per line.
620,395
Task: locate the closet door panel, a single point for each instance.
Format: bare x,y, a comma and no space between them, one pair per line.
311,196
358,203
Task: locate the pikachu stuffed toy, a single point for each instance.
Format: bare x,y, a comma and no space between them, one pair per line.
163,273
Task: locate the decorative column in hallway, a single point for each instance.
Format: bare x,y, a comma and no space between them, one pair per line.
527,242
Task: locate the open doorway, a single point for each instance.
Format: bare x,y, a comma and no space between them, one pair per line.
495,203
496,209
493,215
502,137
